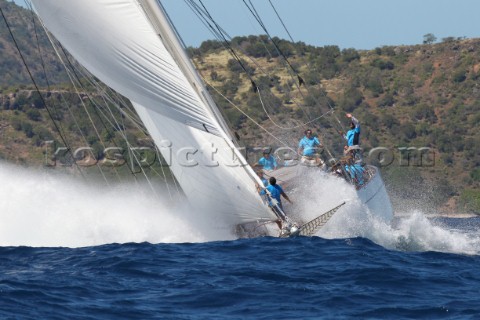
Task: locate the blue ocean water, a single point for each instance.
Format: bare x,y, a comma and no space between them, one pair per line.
262,278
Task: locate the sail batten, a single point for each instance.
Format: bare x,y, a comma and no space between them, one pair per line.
115,41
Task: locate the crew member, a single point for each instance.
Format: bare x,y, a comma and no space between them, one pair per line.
267,162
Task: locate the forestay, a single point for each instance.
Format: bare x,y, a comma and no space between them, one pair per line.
117,42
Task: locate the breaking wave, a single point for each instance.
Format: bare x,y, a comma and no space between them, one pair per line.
411,231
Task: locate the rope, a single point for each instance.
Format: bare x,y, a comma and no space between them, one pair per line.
69,150
308,65
289,128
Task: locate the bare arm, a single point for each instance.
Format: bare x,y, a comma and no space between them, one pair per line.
354,120
286,197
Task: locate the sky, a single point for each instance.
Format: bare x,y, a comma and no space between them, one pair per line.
359,24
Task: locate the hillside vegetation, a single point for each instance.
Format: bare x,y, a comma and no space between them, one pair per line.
406,96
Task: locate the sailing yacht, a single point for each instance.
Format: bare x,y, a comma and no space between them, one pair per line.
131,46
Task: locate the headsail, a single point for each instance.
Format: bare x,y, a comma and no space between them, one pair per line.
117,42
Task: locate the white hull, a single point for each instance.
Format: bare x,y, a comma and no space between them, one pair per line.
372,194
375,196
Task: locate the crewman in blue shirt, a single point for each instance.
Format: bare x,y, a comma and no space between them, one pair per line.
309,148
308,145
276,191
267,162
353,135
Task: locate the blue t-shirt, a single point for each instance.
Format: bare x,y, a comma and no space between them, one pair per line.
268,163
351,136
275,191
309,145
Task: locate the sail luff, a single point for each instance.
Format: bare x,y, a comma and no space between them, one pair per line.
158,17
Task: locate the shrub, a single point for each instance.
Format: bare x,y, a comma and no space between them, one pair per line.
210,45
34,114
470,200
16,124
387,101
349,55
408,131
389,121
43,133
235,66
28,129
382,64
424,112
475,174
459,76
374,84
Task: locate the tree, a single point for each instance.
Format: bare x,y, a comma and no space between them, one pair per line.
429,38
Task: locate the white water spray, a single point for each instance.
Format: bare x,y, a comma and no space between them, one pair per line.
413,232
40,209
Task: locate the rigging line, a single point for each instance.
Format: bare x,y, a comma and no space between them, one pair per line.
41,57
289,128
109,96
42,61
231,49
288,66
124,135
281,21
261,23
201,15
299,89
199,12
264,43
173,26
94,108
72,81
38,90
259,20
308,64
134,157
256,15
151,168
245,114
68,107
94,103
175,182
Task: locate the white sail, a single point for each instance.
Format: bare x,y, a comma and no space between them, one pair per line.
117,41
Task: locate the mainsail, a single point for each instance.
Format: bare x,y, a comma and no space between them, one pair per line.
130,46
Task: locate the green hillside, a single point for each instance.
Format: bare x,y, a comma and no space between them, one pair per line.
419,96
422,96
